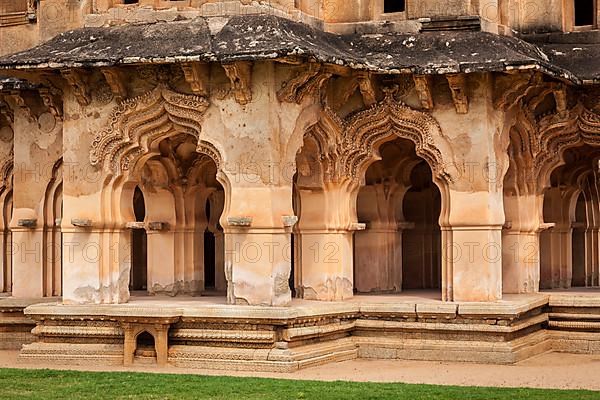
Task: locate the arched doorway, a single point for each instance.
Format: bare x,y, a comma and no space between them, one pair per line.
6,240
332,165
138,280
569,248
176,202
400,247
422,241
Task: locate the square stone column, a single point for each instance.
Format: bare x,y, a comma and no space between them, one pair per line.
257,238
327,263
257,267
472,247
96,264
476,263
28,274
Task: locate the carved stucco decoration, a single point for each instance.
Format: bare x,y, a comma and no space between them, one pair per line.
240,77
312,79
6,171
304,83
139,121
6,111
348,146
539,142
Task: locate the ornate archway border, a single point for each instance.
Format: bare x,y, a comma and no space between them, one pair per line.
347,146
138,121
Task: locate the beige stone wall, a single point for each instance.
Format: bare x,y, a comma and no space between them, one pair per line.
280,155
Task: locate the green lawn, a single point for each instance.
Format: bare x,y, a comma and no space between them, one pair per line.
47,384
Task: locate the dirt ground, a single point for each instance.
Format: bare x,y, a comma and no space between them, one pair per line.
550,370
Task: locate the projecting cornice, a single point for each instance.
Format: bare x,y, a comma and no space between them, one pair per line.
267,37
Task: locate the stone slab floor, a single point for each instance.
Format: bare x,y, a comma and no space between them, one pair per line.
550,370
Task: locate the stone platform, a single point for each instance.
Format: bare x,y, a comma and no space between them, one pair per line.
574,320
15,327
204,332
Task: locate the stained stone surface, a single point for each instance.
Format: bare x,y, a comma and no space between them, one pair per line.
260,37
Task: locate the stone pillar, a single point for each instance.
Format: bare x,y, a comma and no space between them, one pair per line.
592,245
472,247
521,243
325,229
220,280
5,260
257,228
217,203
28,274
378,257
378,249
34,161
163,232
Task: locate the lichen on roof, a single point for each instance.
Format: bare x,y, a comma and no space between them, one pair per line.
262,37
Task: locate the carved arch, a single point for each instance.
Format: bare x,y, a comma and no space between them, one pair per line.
137,122
537,144
368,128
348,146
6,172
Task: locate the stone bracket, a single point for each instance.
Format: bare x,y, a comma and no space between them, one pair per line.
458,87
547,225
197,75
309,81
240,76
158,226
31,10
77,80
22,103
81,223
367,88
289,220
291,91
51,99
135,225
27,223
240,221
423,87
116,81
560,98
358,226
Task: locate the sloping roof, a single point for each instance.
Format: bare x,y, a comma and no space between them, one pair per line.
260,37
582,60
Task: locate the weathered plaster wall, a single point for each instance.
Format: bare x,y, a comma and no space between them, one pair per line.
37,149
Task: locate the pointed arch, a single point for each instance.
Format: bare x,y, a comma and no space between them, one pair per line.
137,122
348,146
